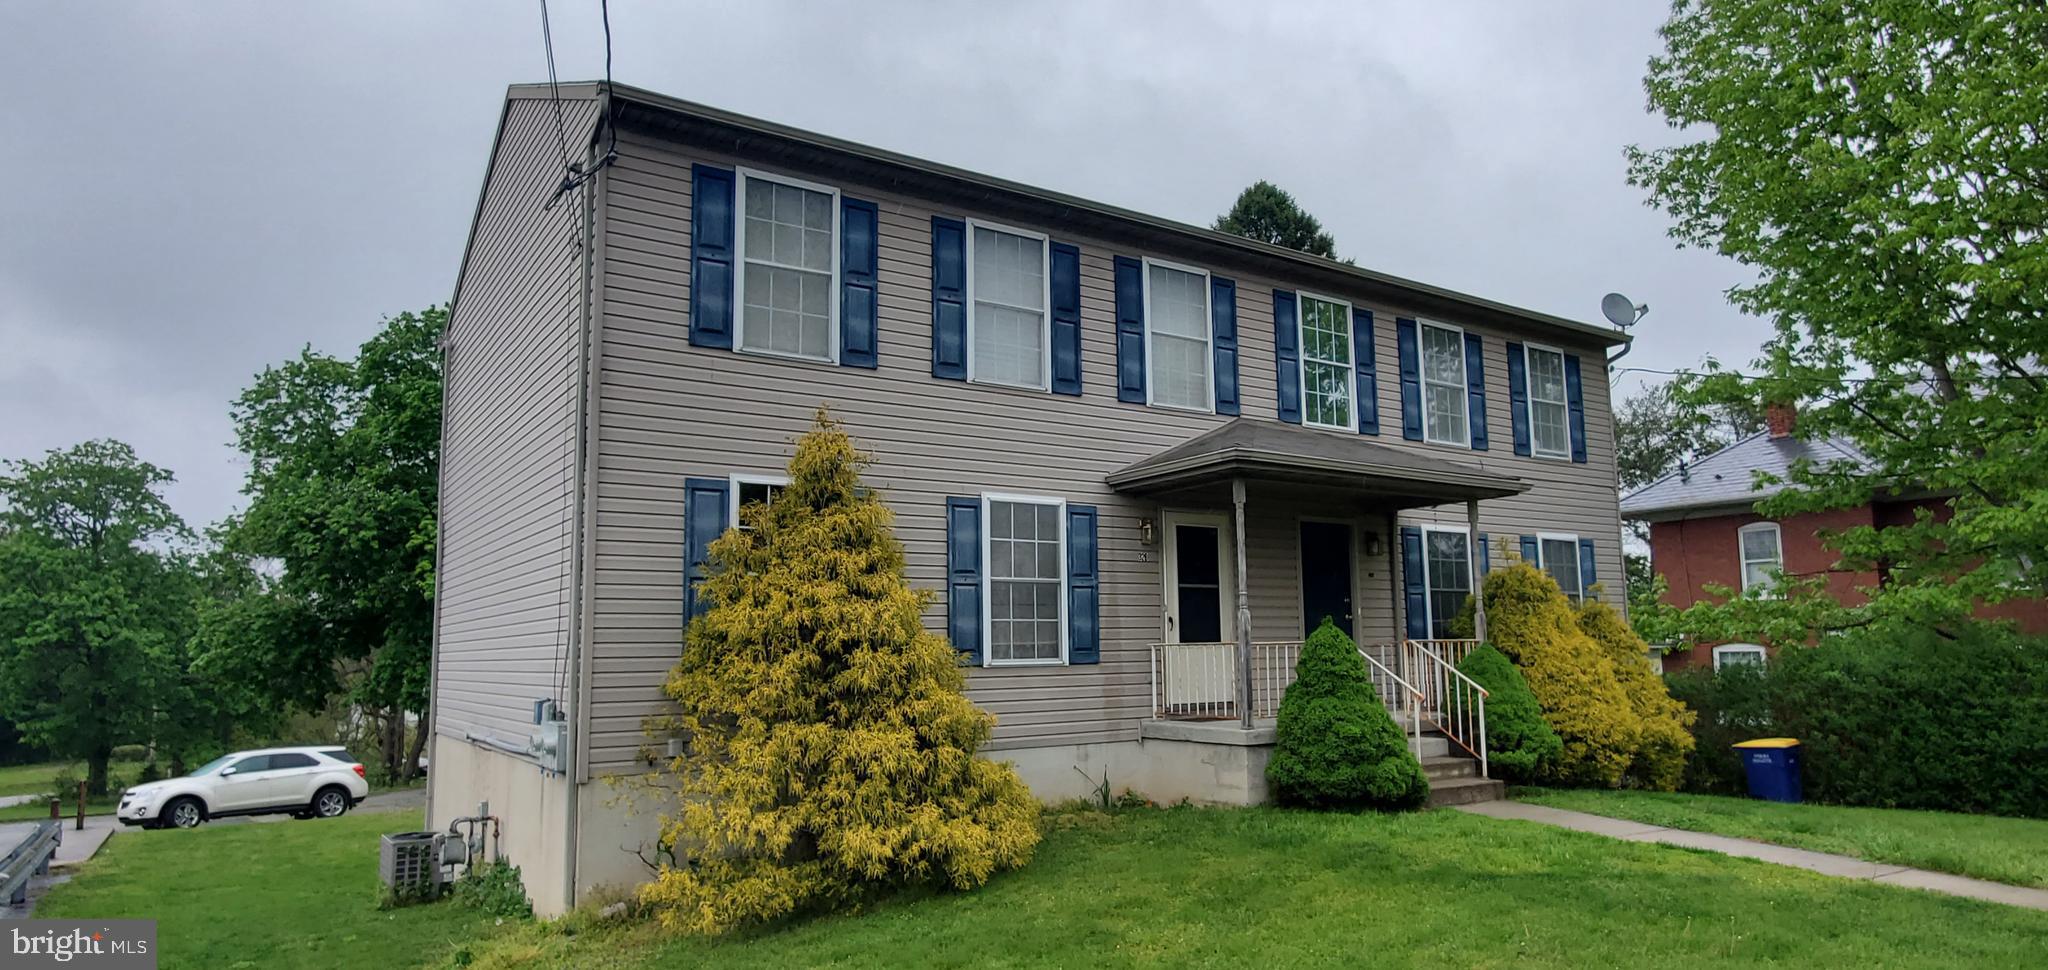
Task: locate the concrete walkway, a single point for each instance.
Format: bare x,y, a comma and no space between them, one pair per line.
1827,864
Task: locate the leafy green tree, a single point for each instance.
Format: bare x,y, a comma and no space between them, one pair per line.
831,747
1879,167
1268,214
95,603
1335,745
1656,430
344,461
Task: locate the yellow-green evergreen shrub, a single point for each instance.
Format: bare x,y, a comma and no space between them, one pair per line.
1666,740
1529,619
830,750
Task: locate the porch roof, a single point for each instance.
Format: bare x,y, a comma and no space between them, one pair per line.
1257,450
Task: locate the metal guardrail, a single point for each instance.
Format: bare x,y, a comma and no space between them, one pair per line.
29,858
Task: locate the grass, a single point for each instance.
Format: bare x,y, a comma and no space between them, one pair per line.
1179,888
275,895
2009,850
1216,888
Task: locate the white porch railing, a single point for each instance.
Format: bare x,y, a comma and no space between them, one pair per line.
1199,681
1451,702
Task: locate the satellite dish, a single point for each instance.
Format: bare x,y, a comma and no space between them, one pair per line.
1622,311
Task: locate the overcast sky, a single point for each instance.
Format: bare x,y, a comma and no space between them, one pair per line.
191,191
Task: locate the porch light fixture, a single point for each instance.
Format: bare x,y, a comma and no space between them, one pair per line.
1372,544
1146,534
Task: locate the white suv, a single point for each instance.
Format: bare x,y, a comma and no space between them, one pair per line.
317,782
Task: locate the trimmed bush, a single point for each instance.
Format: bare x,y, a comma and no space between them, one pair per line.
1520,745
1733,704
1573,680
1907,717
831,750
1337,747
1664,738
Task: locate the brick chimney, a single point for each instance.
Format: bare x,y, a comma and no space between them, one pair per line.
1781,417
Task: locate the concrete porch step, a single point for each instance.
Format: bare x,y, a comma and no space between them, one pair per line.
1464,791
1446,768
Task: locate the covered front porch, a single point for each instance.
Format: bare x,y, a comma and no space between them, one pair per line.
1264,529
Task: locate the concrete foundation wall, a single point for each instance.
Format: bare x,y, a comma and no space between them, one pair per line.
532,809
1166,766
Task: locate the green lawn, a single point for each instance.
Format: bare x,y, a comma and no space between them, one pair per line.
2011,850
39,779
1176,888
271,895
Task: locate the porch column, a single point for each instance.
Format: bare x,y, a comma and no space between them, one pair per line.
1472,560
1244,612
1400,594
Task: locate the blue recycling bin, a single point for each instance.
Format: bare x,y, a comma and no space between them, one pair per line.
1773,767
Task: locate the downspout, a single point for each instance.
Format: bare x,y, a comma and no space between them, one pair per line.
581,510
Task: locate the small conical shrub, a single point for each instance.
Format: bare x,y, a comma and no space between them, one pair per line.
1520,745
1337,747
1666,740
831,751
1572,678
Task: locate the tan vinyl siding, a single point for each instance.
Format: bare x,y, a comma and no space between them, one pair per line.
668,410
508,447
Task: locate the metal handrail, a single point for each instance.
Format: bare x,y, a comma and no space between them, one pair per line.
1459,708
1415,700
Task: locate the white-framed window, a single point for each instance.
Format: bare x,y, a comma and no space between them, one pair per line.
1177,337
1738,653
1009,293
788,270
743,490
1446,575
1550,434
1763,554
1024,587
1558,555
1443,385
1326,371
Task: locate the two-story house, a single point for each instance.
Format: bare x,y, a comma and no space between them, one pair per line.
1134,460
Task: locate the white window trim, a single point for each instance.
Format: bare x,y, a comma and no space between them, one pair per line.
1742,556
1727,650
1578,562
1044,313
1529,404
1471,564
1226,574
1423,381
1208,336
739,271
988,646
732,492
1301,299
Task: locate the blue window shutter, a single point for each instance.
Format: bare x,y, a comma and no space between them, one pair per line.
1518,396
704,509
1066,319
1530,553
1223,320
1414,594
963,576
1575,398
1130,330
1475,389
859,251
1363,357
1084,607
1287,354
949,299
1589,570
1410,348
1485,556
711,239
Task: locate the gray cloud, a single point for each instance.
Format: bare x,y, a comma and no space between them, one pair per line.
196,191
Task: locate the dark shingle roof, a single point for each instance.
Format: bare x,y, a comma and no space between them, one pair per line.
1251,448
1727,477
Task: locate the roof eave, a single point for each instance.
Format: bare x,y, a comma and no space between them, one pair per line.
1257,463
1424,292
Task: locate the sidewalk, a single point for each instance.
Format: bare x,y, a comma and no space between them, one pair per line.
1846,867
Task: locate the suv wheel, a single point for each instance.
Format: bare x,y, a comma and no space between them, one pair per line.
330,803
182,813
